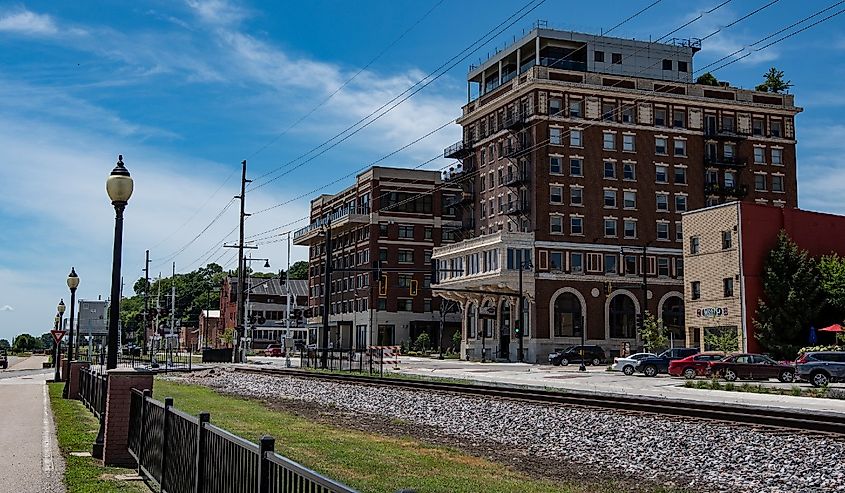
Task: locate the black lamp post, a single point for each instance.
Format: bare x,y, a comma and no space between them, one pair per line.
60,311
524,264
72,283
119,186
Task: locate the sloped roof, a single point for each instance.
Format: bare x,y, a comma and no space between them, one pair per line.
273,286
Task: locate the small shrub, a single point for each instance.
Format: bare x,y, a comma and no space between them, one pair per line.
745,387
729,387
423,342
796,391
690,384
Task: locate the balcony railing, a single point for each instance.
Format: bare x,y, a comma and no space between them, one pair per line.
725,161
460,199
517,149
516,179
725,132
458,150
333,217
516,208
738,191
515,121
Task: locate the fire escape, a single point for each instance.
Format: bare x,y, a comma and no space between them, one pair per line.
517,150
720,154
461,174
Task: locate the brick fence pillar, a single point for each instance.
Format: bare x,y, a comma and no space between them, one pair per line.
73,383
116,438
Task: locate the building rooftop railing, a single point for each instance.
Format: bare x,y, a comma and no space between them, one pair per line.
334,216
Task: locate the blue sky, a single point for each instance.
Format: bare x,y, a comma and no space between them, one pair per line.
186,90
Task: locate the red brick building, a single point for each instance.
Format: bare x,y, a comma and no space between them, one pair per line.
265,303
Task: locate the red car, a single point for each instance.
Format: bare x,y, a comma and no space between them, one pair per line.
274,350
752,367
693,366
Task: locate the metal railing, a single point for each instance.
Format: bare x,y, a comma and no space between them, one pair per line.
163,360
93,387
358,360
181,453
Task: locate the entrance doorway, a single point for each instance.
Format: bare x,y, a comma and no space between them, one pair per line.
385,335
505,332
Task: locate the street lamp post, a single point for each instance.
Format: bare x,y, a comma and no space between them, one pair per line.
523,264
60,312
72,283
119,186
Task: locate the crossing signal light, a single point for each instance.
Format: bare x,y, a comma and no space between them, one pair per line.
517,328
382,285
413,288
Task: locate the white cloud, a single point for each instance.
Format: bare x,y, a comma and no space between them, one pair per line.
6,308
26,22
218,12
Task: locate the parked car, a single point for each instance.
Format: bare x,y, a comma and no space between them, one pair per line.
697,365
274,350
653,366
821,367
626,365
4,358
751,367
592,355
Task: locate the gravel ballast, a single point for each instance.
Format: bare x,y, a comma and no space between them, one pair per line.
700,455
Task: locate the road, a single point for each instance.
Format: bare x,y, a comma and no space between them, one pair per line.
29,457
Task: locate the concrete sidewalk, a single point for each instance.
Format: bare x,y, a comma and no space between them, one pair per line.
30,461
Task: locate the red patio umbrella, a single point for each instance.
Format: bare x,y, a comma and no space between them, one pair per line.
833,328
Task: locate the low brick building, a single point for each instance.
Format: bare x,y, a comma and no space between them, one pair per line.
725,249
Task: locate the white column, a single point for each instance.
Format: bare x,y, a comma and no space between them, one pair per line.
500,72
518,61
537,50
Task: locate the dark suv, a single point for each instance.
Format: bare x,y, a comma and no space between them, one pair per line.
821,367
592,355
651,367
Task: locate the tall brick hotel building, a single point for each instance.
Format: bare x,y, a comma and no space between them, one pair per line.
579,155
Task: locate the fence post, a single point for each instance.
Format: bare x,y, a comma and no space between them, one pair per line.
142,433
199,478
265,445
381,362
168,403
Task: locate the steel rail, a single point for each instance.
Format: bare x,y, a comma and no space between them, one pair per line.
802,420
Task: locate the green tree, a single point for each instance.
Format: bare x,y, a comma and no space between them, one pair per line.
423,342
299,270
456,340
26,342
791,299
653,333
773,82
227,337
832,281
4,344
707,79
725,341
46,341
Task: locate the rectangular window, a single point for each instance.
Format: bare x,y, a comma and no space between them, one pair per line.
682,66
729,151
575,108
662,200
628,114
695,288
576,167
667,64
598,56
576,262
728,287
576,225
680,176
382,254
663,267
660,145
429,232
575,138
556,260
630,228
776,128
594,262
630,199
404,305
616,58
608,112
777,183
554,136
694,244
680,147
728,123
711,176
609,142
777,156
610,198
663,231
661,174
631,265
757,126
760,183
556,224
555,166
679,118
406,232
611,263
610,170
483,182
629,171
727,240
679,267
660,117
628,143
556,195
759,155
555,106
576,196
406,256
610,228
680,203
382,230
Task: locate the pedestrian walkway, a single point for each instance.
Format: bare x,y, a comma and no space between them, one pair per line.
30,461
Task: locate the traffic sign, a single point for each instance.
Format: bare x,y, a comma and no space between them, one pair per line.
57,335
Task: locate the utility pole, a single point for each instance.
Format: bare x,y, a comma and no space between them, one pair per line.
172,305
327,288
287,293
146,301
240,325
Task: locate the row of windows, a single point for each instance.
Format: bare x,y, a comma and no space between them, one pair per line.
629,198
610,170
575,262
775,153
611,227
727,288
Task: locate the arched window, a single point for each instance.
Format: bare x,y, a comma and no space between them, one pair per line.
505,319
471,321
488,325
567,316
622,317
673,317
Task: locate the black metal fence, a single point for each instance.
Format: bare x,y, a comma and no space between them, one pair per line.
171,359
358,360
93,386
187,454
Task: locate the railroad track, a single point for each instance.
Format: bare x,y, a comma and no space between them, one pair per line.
801,420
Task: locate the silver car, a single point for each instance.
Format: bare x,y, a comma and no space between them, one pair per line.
626,365
821,368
